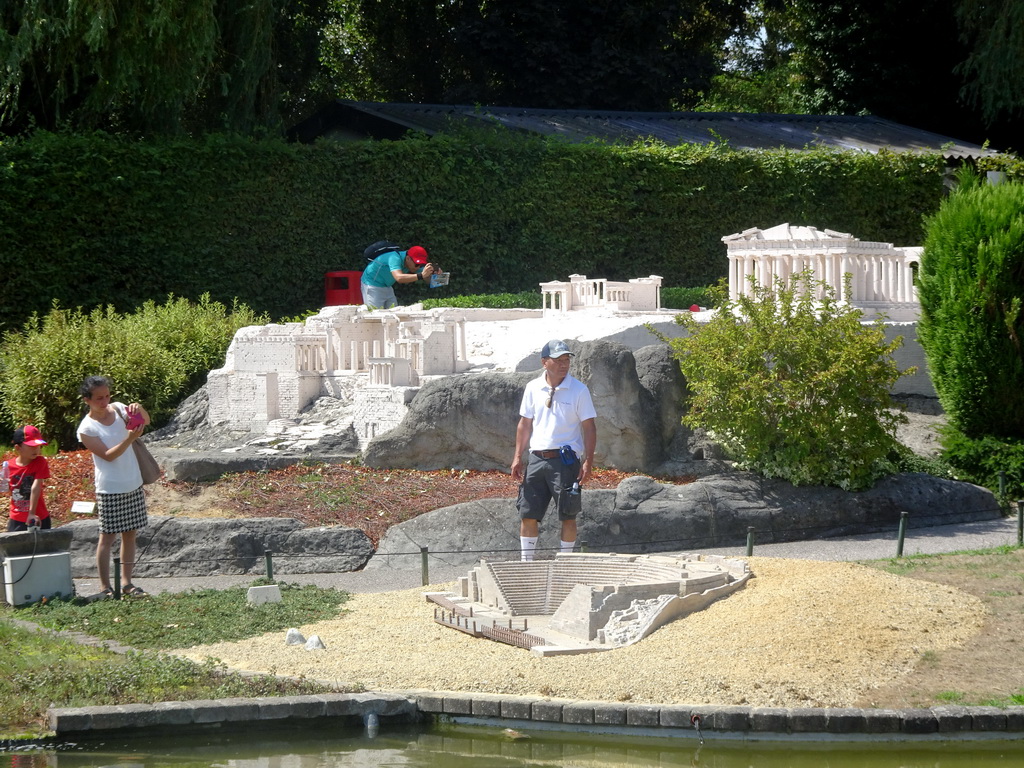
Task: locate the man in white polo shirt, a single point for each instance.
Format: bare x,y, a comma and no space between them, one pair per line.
557,427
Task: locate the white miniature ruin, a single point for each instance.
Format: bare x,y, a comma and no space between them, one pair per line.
581,603
641,294
376,360
882,276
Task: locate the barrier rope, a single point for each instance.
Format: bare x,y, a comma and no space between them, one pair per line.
780,536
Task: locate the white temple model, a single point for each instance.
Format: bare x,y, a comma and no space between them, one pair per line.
641,294
882,276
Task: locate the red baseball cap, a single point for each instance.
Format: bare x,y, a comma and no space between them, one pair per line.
28,435
418,254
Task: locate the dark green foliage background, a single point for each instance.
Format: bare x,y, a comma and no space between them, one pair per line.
90,220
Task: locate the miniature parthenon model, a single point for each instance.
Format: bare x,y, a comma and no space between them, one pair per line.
580,603
882,276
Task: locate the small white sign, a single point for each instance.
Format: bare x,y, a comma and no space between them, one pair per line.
83,507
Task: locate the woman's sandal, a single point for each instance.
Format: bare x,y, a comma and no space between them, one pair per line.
130,590
107,594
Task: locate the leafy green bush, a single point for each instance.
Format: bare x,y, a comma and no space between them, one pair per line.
792,386
981,460
196,333
971,282
155,356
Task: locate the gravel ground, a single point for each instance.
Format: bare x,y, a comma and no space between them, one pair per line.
801,633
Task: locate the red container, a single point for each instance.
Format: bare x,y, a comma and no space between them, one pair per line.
342,288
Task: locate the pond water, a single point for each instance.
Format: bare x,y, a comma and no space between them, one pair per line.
456,746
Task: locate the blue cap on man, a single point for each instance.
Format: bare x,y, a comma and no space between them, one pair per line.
555,348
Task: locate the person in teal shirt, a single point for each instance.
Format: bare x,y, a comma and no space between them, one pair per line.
380,276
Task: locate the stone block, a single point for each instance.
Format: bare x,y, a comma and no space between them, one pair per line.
486,705
726,718
845,720
809,720
769,719
456,704
882,721
1015,719
919,721
516,708
609,714
952,719
175,712
64,720
270,593
578,713
546,711
430,703
224,711
643,715
675,717
988,719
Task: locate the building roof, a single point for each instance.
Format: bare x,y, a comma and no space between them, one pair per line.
362,119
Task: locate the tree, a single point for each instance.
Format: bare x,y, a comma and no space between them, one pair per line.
994,69
793,386
758,69
892,58
156,67
972,326
614,54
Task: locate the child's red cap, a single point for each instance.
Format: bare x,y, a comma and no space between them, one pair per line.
28,435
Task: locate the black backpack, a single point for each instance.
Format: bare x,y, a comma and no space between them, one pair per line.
371,252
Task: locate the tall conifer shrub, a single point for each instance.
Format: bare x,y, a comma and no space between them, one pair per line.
970,284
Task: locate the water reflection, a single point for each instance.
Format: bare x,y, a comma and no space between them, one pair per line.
465,746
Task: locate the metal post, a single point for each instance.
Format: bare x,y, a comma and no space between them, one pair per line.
583,546
117,578
903,533
423,566
1020,522
270,565
750,540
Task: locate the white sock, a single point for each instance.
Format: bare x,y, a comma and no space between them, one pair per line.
567,546
527,546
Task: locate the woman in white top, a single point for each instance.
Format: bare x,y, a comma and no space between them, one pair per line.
120,499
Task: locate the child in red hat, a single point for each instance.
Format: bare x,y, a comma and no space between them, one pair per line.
27,475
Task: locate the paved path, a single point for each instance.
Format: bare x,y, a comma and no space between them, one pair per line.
934,540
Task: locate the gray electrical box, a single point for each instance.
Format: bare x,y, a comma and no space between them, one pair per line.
31,578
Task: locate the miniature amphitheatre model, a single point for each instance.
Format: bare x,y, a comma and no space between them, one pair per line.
581,603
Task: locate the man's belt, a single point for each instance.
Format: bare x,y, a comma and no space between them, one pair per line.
546,454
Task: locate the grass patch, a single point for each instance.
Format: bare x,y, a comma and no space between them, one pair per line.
43,670
910,564
185,619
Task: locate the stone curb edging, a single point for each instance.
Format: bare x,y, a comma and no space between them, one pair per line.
79,720
946,722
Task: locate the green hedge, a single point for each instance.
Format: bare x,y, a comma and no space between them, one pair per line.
91,220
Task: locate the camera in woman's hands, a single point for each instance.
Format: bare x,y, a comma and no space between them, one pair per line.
135,420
